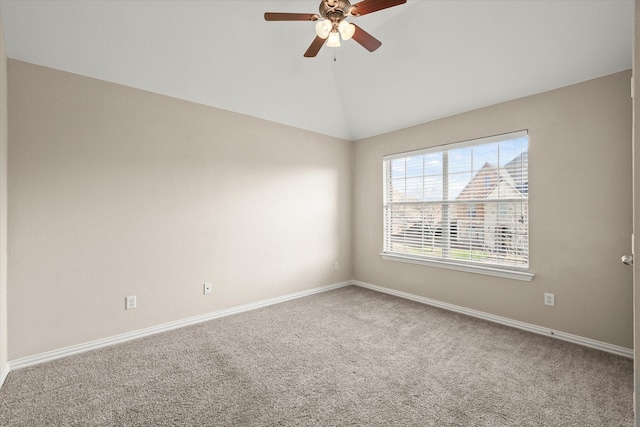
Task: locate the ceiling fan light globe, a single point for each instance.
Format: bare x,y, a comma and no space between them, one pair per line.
346,30
323,28
334,39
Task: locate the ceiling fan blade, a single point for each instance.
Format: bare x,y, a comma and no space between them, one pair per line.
366,40
274,16
315,47
368,6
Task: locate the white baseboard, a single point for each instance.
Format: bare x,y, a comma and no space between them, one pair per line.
4,374
121,338
117,339
587,342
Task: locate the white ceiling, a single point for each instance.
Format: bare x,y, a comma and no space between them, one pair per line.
438,58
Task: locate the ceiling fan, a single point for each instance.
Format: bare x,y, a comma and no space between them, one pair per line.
333,25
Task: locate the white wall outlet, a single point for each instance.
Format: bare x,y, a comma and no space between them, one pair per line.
130,302
336,266
550,299
207,288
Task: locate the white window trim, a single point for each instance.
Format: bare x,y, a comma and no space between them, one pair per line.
508,272
462,144
458,266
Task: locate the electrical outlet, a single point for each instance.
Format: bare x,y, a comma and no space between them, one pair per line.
207,288
549,299
130,302
336,266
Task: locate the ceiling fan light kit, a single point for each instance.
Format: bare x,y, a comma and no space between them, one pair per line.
334,40
346,30
323,28
333,27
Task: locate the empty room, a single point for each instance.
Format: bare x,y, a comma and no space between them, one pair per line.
318,212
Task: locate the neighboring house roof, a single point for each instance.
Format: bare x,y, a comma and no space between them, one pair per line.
518,168
514,174
477,188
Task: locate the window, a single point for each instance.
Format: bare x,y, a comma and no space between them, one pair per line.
487,181
471,210
463,203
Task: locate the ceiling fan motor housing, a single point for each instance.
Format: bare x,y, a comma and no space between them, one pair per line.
332,8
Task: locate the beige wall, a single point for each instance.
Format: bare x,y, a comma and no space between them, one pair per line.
580,211
3,203
115,191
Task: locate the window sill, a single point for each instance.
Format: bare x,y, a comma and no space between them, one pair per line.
452,265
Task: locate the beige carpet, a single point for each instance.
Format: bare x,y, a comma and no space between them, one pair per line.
341,358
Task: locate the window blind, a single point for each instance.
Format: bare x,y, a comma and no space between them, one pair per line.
465,202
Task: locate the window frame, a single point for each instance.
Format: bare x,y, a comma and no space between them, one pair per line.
492,269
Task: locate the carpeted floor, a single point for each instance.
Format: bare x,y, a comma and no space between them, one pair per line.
341,358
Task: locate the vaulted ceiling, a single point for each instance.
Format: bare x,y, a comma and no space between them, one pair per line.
437,58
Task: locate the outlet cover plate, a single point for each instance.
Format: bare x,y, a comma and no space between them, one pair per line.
130,302
207,288
550,299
